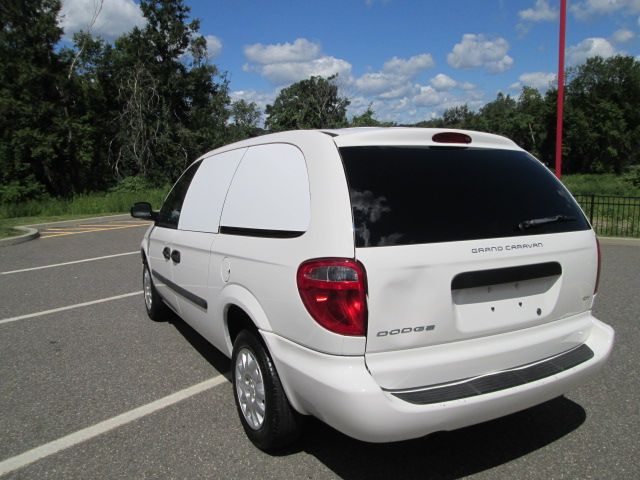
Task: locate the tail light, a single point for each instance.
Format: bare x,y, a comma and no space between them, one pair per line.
595,290
334,292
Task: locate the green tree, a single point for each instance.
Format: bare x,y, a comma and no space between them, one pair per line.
367,119
245,118
529,129
602,117
498,116
90,109
31,130
173,103
311,103
459,117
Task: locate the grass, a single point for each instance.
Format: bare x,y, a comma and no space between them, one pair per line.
92,203
601,184
610,213
80,206
612,216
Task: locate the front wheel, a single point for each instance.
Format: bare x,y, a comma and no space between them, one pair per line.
156,309
266,415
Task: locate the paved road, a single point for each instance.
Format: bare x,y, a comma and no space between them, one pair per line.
68,375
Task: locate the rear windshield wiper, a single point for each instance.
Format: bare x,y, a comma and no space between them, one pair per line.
536,222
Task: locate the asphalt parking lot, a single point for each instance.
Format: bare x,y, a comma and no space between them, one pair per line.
91,388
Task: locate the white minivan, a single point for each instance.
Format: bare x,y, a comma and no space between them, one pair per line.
391,282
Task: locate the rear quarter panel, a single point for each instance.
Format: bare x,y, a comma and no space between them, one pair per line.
266,267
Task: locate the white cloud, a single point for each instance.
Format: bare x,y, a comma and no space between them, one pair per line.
375,83
114,18
589,8
301,50
427,96
537,80
395,95
394,91
423,103
409,67
359,105
443,82
284,63
397,92
262,99
479,51
214,46
622,36
589,47
540,12
395,78
289,72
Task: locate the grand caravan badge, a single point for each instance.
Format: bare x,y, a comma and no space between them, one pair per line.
507,248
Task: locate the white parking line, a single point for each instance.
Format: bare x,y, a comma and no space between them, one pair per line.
30,456
68,307
69,263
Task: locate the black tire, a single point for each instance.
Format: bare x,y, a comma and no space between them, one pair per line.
281,424
153,303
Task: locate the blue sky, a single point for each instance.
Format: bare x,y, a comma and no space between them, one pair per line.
409,59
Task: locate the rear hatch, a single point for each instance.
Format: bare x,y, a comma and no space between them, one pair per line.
461,243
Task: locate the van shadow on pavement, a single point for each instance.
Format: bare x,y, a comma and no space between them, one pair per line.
445,455
211,354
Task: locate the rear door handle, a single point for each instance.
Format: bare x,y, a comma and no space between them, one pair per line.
175,256
166,253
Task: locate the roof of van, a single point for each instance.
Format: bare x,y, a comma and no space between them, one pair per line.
378,136
349,137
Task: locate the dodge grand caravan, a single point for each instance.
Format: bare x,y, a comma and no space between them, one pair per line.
390,282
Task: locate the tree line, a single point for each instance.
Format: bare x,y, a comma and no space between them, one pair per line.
601,118
88,116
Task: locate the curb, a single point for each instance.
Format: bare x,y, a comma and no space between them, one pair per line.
29,234
627,242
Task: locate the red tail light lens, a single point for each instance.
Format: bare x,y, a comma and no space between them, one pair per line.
451,137
334,292
595,290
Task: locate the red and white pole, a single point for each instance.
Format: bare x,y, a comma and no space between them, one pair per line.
563,22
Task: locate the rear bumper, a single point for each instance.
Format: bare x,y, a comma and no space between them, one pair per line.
341,392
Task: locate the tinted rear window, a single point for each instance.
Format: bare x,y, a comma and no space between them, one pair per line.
410,195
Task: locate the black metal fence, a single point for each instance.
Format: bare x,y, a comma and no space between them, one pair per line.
612,216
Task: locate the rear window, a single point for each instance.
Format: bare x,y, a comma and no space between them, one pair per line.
411,195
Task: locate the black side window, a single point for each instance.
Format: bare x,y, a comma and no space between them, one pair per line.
172,206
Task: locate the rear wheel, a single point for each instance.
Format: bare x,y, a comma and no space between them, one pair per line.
266,415
156,309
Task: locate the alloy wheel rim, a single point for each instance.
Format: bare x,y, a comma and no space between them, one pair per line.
250,388
148,294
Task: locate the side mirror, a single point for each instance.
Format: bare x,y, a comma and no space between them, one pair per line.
142,210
